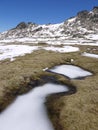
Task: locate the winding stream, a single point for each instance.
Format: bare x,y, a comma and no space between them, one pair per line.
28,112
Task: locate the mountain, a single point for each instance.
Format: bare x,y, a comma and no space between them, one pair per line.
84,25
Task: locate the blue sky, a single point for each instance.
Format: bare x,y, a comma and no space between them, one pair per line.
13,12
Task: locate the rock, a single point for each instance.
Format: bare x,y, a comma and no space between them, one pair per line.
21,25
83,14
95,9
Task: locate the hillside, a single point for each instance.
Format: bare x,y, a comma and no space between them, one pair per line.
83,26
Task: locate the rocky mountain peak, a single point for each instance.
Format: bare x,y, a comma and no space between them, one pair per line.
88,19
84,23
22,25
82,14
95,9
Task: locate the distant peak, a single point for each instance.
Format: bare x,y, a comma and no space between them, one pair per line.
95,9
21,25
82,14
84,23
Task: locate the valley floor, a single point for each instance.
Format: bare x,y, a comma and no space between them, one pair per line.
77,111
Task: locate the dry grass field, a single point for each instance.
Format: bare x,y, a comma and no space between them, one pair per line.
78,111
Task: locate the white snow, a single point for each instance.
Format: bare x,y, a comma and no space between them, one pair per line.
52,27
62,49
7,40
23,40
82,30
92,36
45,69
71,20
70,71
71,42
58,40
28,112
90,55
11,51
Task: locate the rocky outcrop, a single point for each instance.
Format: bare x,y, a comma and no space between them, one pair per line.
95,9
89,20
82,14
21,25
84,23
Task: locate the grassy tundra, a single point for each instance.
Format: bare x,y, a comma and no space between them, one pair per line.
78,111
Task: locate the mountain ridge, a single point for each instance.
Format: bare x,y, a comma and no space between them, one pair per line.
85,23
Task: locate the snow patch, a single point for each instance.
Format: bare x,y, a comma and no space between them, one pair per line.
90,55
71,20
70,71
62,49
92,36
11,51
45,69
51,40
28,112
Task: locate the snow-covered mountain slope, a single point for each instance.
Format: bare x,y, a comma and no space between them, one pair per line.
83,26
84,23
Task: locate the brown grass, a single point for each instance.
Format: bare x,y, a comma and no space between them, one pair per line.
78,111
74,112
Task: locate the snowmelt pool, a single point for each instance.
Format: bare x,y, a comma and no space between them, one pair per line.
70,71
28,112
